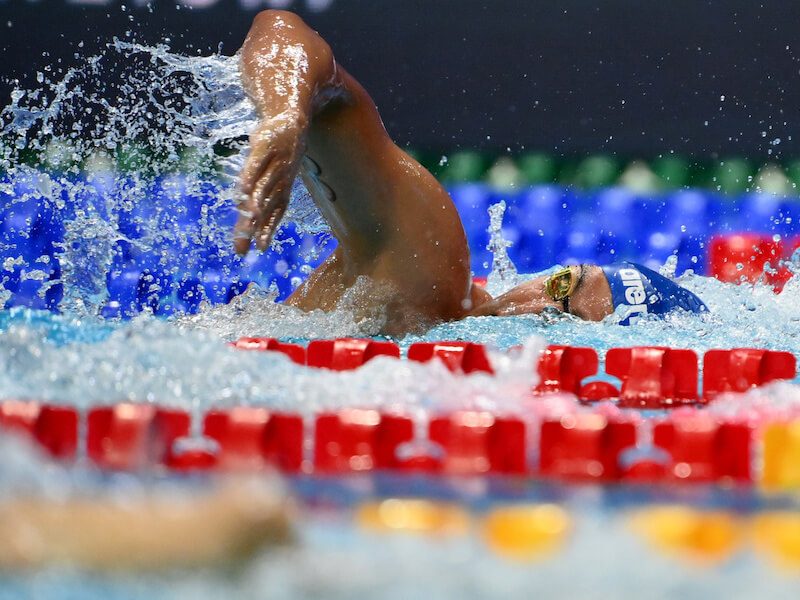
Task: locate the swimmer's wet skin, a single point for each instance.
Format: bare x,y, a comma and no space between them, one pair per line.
593,293
156,530
395,224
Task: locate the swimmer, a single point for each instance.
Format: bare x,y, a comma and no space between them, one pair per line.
396,226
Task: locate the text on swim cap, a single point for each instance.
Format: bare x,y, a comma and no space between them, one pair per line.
634,292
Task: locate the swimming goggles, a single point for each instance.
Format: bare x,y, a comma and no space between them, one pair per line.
561,284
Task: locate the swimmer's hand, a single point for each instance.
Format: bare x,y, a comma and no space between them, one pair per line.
276,149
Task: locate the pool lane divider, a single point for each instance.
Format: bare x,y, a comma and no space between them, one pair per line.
684,445
651,377
689,446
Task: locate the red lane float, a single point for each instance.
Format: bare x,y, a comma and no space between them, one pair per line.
652,377
55,428
134,436
563,368
479,442
584,446
695,446
459,357
122,437
359,440
253,438
703,449
294,351
19,415
740,369
345,354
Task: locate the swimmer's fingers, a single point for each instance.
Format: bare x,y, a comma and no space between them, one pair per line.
266,182
261,154
251,209
273,218
243,231
260,216
273,140
272,197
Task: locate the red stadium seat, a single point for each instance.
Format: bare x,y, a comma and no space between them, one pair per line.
738,257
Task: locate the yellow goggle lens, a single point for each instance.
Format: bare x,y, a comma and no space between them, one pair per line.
560,284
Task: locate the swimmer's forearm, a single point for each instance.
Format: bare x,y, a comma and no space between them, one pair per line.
289,72
287,68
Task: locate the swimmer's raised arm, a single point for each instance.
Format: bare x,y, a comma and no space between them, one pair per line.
288,71
401,247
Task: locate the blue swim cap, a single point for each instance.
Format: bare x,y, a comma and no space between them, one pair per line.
647,292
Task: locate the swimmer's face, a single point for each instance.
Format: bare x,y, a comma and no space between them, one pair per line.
590,297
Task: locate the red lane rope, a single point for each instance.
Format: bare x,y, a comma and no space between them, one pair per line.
685,445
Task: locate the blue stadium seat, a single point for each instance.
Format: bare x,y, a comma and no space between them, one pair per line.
761,211
660,245
581,243
472,203
215,287
687,211
788,223
540,213
725,214
190,293
237,287
615,220
123,292
692,253
26,293
154,286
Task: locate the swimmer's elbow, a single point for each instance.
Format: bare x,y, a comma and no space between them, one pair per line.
287,26
268,19
286,39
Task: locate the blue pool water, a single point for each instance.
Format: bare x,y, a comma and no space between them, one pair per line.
116,286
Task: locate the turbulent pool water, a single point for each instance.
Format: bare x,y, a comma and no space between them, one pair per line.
189,112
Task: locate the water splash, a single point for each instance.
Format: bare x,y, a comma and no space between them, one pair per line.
131,160
503,275
176,127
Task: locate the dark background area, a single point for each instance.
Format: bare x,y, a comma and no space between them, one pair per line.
701,79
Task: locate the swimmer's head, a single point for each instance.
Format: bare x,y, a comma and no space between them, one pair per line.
581,290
